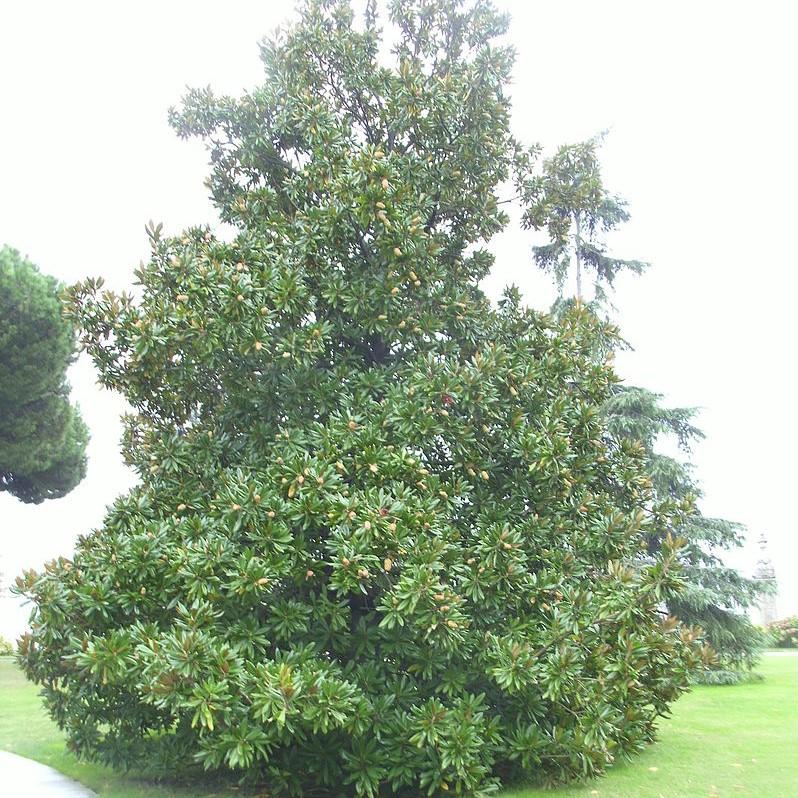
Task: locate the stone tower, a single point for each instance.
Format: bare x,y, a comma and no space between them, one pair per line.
766,575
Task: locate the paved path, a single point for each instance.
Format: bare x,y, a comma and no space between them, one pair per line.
24,778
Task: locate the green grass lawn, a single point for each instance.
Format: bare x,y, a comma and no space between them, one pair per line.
721,741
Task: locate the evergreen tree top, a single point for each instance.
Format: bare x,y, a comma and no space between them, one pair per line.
42,437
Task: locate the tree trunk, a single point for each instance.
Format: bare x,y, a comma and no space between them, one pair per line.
577,242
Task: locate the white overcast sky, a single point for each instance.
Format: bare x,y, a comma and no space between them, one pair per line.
700,101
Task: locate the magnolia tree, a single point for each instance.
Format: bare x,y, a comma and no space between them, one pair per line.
380,543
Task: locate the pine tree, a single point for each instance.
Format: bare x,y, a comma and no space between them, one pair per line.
716,597
571,202
574,207
42,436
380,545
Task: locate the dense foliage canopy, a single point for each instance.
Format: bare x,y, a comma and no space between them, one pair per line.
784,633
42,437
383,542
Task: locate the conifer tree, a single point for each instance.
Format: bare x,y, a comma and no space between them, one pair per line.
574,207
716,596
380,545
569,200
42,436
